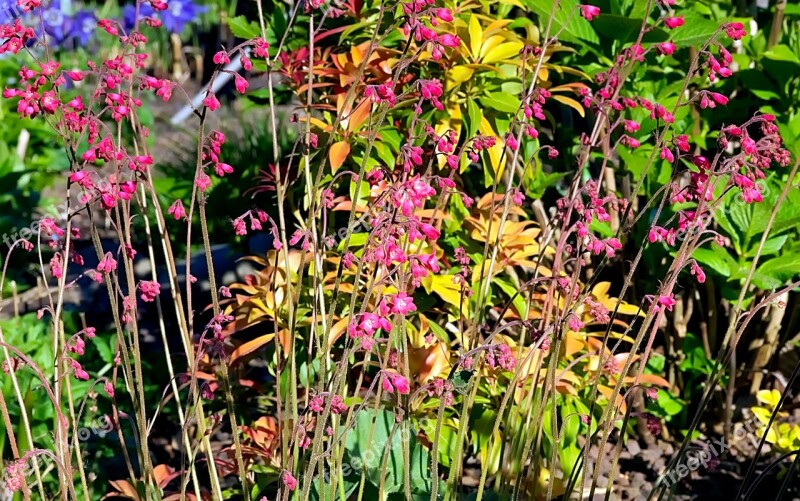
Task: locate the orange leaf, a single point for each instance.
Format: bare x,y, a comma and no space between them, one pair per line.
607,392
649,378
124,489
250,346
338,154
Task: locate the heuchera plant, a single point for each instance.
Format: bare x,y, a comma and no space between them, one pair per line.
395,349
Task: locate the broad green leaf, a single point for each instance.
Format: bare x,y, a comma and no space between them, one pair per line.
626,29
696,30
781,268
566,17
475,115
782,53
717,258
377,436
500,101
242,28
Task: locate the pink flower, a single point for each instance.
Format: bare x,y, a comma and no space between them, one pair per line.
631,126
403,304
589,12
748,145
107,264
735,31
666,154
666,48
682,142
261,47
203,182
393,381
317,404
211,102
449,40
667,301
288,480
241,84
221,169
82,178
221,57
177,210
673,22
109,388
149,290
512,143
575,323
445,15
698,272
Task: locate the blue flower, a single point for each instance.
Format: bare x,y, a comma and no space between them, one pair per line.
83,26
179,13
9,11
55,24
129,15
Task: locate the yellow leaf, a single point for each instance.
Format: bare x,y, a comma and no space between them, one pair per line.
460,74
769,397
444,287
570,102
762,414
475,36
454,121
502,52
496,151
489,43
338,154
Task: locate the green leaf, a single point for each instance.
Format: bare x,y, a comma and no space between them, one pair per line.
668,404
376,437
576,29
475,114
696,30
461,380
771,246
242,28
780,269
782,53
717,258
500,101
626,29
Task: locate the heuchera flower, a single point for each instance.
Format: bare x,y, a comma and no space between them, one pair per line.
674,22
666,48
667,301
735,31
211,102
288,480
393,381
177,210
589,12
149,290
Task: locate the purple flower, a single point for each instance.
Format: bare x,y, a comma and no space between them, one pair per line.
82,26
180,12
